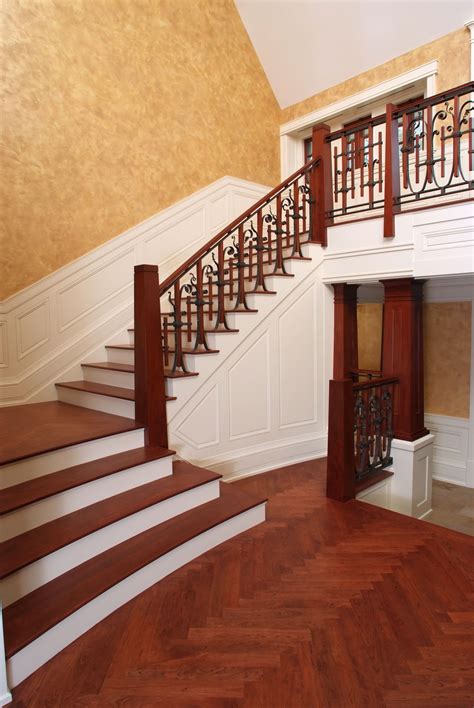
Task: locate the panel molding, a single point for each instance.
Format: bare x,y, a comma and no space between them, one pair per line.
450,448
48,328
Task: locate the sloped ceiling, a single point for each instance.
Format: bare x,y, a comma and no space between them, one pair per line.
306,46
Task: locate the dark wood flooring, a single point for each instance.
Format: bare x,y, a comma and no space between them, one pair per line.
36,428
325,605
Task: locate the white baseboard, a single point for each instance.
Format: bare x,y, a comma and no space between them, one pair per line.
450,450
50,327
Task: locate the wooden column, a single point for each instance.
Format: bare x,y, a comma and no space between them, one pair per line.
150,396
392,173
321,185
402,354
340,462
345,330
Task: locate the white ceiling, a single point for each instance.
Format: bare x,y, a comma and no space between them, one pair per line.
306,46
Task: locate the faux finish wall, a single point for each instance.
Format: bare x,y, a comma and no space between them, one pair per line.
447,343
115,109
447,352
452,52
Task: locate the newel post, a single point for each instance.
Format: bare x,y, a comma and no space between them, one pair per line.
150,396
321,185
340,460
392,173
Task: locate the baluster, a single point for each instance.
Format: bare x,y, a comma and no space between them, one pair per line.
200,342
456,138
188,319
210,285
353,167
221,322
303,210
429,144
260,280
405,150
296,221
178,362
370,165
336,175
231,277
417,159
380,179
278,233
269,243
443,150
470,149
344,175
250,263
165,341
240,303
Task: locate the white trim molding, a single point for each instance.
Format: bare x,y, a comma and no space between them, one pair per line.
470,26
5,695
48,329
450,448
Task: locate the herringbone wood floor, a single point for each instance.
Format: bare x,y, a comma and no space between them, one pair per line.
324,605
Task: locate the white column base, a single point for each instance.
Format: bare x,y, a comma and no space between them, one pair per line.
408,491
411,482
5,695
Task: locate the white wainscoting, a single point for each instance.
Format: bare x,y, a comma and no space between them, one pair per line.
47,329
265,405
450,449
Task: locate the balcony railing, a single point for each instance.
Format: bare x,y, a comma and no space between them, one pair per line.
396,161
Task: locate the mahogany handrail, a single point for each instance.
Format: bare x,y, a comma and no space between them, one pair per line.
375,383
252,211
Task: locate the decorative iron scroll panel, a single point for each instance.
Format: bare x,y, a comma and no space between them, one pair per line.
220,277
373,426
435,156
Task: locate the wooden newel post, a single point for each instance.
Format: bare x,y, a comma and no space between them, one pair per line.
392,173
150,395
321,186
340,465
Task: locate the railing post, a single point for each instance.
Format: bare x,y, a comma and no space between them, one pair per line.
150,396
402,353
392,173
340,461
321,185
345,330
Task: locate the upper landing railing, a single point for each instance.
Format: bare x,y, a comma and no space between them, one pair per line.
396,161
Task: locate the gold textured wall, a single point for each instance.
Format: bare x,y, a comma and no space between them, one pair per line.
447,352
115,109
369,334
447,348
452,52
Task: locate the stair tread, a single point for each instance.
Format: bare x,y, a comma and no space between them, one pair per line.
127,394
130,369
194,352
211,330
53,425
34,490
31,616
19,551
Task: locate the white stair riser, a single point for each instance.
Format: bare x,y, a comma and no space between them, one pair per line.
42,571
123,379
39,465
33,515
213,339
106,404
26,661
121,356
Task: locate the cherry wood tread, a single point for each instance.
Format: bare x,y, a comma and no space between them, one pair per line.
208,330
17,552
20,495
39,428
371,480
196,352
130,369
31,616
128,394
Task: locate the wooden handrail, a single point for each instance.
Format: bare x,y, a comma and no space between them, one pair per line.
375,383
461,90
182,270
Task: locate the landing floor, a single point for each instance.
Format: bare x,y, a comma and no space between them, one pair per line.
36,428
325,605
453,507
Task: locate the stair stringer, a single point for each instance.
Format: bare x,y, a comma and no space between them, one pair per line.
262,401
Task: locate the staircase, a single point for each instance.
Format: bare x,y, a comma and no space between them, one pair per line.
95,507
